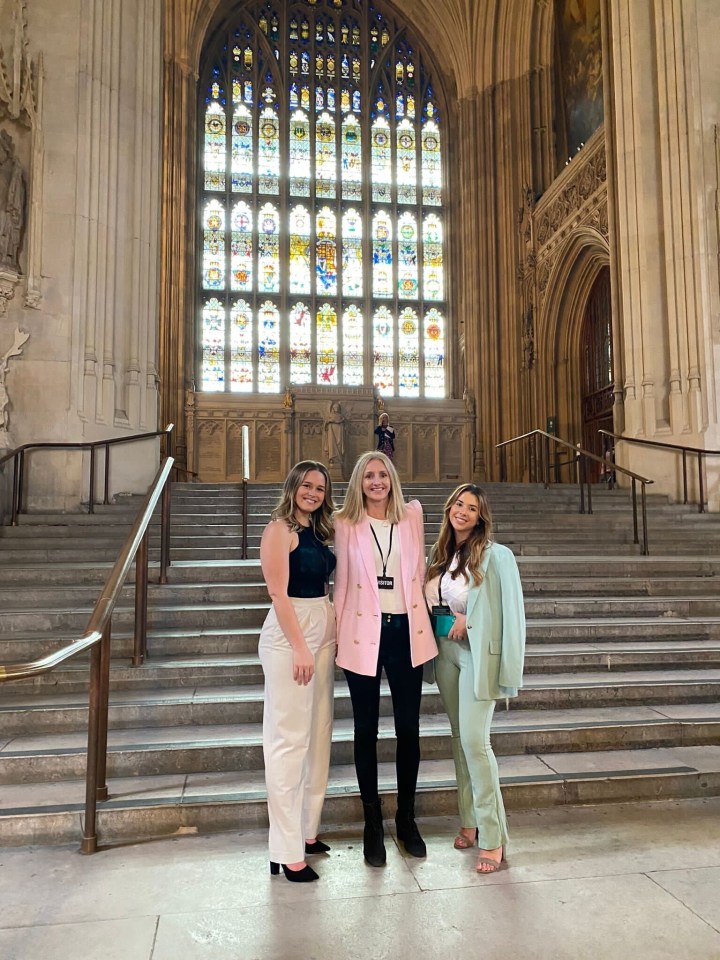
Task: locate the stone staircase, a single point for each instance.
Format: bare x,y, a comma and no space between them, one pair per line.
622,695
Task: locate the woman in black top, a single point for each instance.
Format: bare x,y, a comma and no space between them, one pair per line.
386,436
297,652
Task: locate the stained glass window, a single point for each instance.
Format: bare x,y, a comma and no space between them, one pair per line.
384,352
434,353
327,337
300,344
241,355
352,257
299,250
321,210
382,254
352,330
433,277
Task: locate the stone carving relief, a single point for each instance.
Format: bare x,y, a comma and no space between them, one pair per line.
15,350
12,204
20,138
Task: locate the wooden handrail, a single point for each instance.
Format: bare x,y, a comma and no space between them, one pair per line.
677,448
583,456
96,638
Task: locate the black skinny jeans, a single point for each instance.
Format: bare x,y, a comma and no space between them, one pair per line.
406,690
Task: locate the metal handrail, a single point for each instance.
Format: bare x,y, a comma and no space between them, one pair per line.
677,448
96,638
18,456
537,444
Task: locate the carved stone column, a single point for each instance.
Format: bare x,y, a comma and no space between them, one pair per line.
668,283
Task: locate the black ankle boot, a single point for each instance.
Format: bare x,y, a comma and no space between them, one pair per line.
373,835
408,833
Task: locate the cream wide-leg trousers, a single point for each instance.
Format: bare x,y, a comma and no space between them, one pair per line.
297,728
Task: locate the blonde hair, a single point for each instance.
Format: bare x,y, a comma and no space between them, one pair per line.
353,510
470,552
321,519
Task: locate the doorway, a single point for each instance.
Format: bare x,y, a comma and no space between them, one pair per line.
597,370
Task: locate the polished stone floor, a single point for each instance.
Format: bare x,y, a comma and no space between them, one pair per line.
625,881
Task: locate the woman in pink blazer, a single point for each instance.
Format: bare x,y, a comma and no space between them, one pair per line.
383,623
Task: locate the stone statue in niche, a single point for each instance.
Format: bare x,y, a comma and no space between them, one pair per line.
14,351
334,436
12,204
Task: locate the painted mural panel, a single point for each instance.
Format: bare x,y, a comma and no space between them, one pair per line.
579,49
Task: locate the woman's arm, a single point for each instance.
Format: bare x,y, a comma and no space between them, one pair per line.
513,620
275,562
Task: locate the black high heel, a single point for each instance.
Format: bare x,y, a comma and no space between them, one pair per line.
317,847
306,875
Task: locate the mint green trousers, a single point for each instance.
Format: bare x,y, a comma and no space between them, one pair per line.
480,802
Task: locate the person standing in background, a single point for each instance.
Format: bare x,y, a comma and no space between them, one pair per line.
385,436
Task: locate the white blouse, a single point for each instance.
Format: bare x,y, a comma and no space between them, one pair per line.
454,592
391,601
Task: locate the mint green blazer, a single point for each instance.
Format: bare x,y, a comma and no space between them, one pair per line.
496,626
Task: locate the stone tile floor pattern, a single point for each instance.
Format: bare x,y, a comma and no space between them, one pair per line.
637,881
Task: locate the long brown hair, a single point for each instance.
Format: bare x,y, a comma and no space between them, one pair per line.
353,509
321,519
470,552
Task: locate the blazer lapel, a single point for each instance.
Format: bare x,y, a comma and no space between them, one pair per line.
405,534
475,591
366,547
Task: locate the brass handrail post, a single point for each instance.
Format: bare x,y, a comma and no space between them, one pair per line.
101,789
21,483
547,461
701,484
244,520
14,504
141,591
646,548
91,486
685,483
581,471
636,538
89,840
245,480
589,489
165,521
106,498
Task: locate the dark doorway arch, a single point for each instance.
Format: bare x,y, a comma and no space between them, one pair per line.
596,362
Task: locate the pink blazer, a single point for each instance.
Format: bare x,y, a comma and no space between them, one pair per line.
357,599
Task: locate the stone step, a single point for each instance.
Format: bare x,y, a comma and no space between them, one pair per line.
14,595
215,748
243,703
163,806
175,671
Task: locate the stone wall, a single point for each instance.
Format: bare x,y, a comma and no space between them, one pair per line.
88,369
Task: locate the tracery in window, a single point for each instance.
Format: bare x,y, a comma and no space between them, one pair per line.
322,228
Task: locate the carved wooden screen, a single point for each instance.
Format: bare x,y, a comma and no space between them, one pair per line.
322,252
597,365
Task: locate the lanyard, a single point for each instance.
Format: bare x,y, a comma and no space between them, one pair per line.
383,560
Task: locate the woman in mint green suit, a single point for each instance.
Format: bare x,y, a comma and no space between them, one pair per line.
480,659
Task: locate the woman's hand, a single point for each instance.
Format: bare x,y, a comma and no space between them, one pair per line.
458,631
303,665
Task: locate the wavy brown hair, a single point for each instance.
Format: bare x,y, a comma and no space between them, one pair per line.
353,509
321,518
470,552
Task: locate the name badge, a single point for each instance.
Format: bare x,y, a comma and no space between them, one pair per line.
386,583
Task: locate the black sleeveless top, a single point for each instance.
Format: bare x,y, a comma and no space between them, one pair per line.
311,564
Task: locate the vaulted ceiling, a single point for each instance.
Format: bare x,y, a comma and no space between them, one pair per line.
477,43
